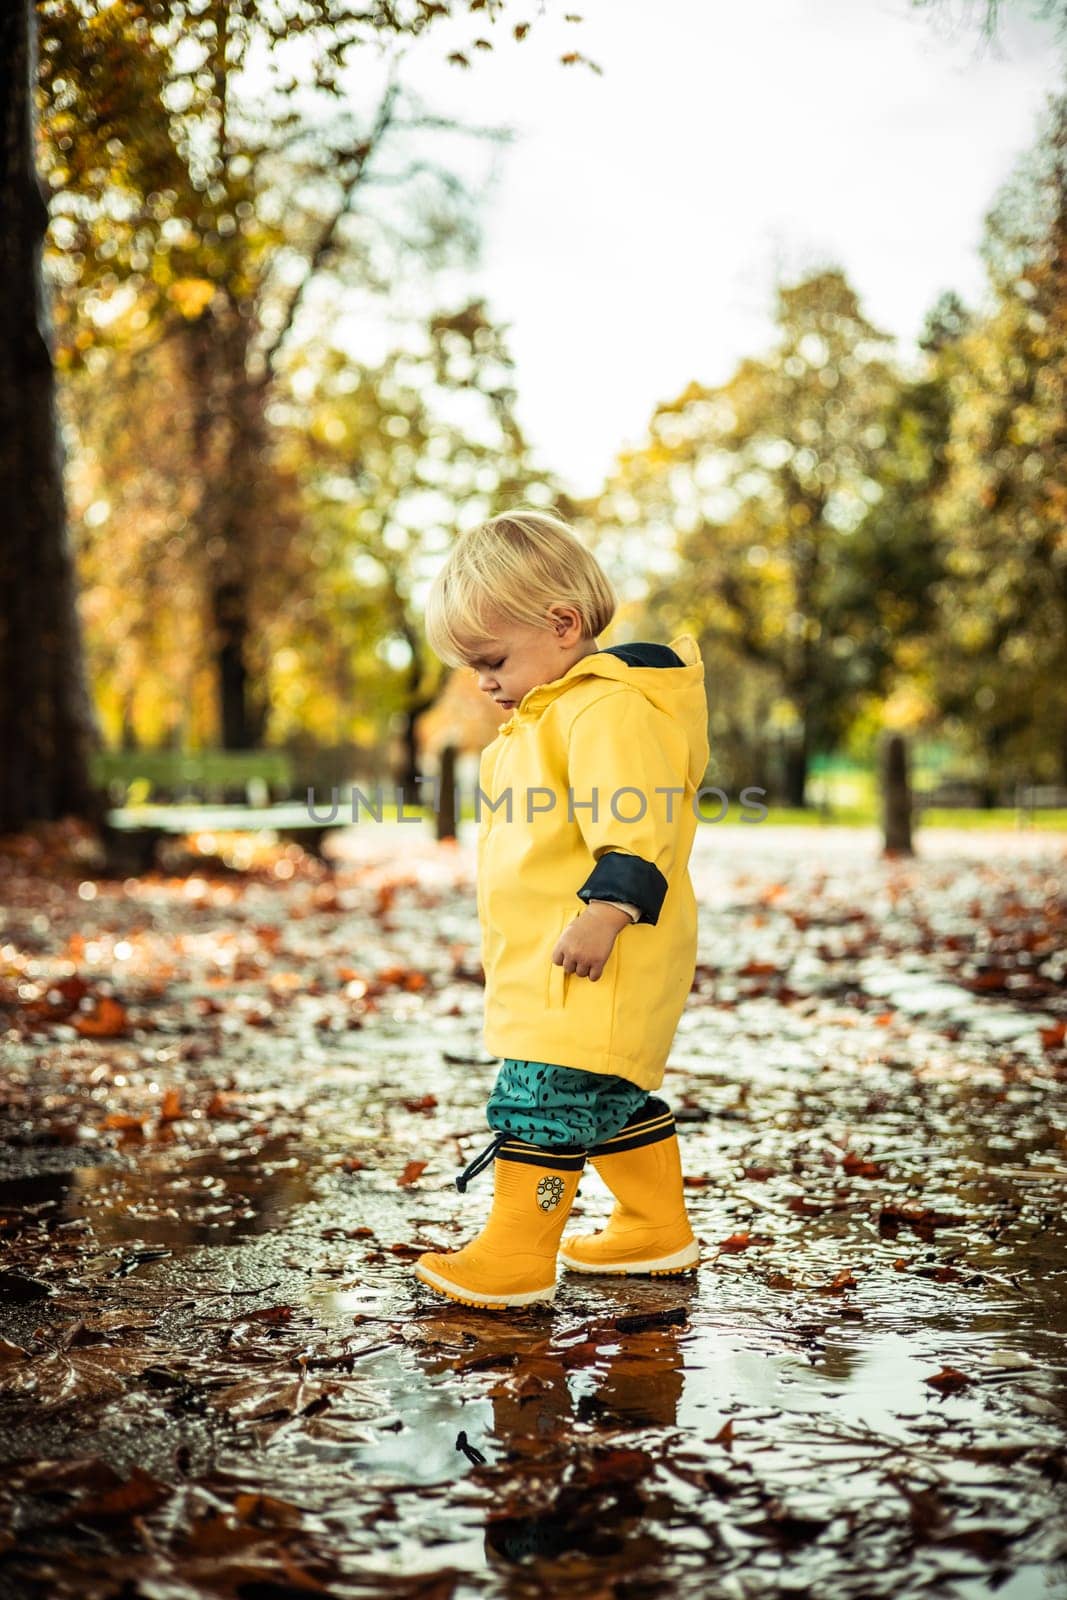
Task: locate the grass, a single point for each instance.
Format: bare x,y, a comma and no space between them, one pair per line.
864,816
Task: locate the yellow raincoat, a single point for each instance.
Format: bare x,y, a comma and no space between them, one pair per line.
607,733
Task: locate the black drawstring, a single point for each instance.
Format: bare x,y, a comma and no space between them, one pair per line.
480,1162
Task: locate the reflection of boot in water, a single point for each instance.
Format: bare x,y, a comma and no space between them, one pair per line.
602,1515
512,1538
642,1385
649,1229
531,1405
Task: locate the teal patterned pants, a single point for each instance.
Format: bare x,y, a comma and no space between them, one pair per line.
550,1105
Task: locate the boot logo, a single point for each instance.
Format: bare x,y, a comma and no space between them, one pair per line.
549,1193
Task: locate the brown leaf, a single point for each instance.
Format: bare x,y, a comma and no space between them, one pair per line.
138,1493
268,1314
263,1511
411,1172
742,1241
844,1280
859,1167
948,1380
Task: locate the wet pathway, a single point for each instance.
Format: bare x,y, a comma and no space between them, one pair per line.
235,1105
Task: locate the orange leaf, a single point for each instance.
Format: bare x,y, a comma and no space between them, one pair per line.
413,1170
108,1021
171,1109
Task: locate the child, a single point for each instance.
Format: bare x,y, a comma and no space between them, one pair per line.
586,792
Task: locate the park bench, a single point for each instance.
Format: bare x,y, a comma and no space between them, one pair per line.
952,794
961,794
132,835
1040,797
220,776
201,782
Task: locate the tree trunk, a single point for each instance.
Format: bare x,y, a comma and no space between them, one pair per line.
796,771
228,445
48,726
446,814
406,778
229,618
896,798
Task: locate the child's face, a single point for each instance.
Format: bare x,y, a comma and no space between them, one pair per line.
516,657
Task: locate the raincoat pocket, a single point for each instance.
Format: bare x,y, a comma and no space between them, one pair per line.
558,977
587,1000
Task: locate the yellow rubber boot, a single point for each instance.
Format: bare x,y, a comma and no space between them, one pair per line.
512,1262
649,1229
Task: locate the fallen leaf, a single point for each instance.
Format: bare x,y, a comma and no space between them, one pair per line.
844,1280
107,1021
742,1241
948,1380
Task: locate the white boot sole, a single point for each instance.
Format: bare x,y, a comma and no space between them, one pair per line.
688,1256
470,1297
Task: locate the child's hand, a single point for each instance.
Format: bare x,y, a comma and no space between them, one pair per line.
586,943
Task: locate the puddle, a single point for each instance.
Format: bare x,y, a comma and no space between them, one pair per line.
177,1203
876,1158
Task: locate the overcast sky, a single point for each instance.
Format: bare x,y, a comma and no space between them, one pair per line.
634,228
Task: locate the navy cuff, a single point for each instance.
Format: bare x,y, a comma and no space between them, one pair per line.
621,877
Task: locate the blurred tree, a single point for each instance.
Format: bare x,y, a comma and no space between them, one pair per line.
762,486
370,466
990,12
134,492
388,459
207,169
47,727
889,584
1002,660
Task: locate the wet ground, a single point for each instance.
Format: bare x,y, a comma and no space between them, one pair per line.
235,1101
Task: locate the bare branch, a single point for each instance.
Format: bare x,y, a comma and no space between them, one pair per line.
361,154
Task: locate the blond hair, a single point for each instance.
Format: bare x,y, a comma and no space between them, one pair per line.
516,566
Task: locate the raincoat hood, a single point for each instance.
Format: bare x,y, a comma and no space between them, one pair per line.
678,691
